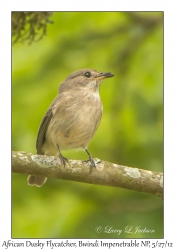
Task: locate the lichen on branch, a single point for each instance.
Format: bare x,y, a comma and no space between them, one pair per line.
105,173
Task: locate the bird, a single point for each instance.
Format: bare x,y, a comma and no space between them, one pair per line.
72,118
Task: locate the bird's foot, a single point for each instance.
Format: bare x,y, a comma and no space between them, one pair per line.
63,159
91,163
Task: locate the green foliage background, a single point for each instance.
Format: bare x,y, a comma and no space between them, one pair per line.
129,44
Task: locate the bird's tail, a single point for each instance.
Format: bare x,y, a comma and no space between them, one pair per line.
36,180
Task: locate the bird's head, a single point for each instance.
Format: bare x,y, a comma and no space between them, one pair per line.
84,79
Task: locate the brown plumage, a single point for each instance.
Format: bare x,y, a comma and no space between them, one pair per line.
73,117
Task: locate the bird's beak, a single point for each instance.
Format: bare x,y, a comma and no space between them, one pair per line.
101,76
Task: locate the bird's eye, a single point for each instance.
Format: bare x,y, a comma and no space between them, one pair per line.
87,74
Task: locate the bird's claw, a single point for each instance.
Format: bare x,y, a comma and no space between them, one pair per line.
63,159
91,162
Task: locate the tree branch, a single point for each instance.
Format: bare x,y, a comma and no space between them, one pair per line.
105,173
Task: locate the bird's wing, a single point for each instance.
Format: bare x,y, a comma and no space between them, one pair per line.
43,128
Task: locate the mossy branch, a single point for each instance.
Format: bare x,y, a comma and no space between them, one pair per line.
105,173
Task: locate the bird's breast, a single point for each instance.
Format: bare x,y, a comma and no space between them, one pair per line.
75,122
